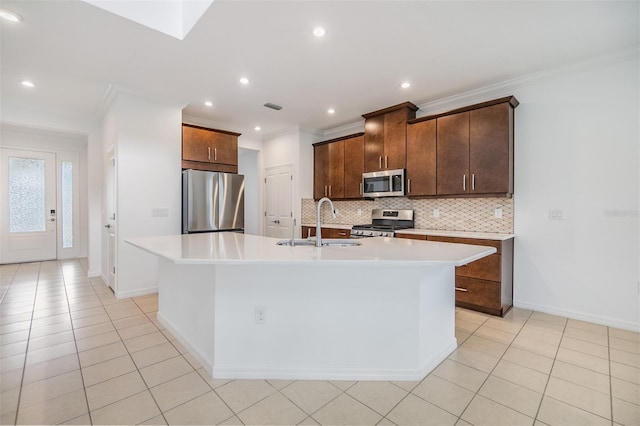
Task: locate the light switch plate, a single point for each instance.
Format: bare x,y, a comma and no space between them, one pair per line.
498,213
556,214
436,212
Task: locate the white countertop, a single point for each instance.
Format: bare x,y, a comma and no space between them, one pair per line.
458,234
230,247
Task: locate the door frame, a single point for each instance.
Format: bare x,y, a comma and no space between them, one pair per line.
289,167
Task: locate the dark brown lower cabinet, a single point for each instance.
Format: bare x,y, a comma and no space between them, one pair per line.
485,285
334,233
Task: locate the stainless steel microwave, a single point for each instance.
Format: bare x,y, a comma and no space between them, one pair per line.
386,183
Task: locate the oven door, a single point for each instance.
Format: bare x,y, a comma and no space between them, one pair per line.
387,183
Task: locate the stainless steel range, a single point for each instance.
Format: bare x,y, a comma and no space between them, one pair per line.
384,223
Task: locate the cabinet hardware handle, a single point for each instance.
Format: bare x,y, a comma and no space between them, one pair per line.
473,182
386,161
380,162
461,289
325,190
209,153
215,154
408,186
342,233
329,190
464,182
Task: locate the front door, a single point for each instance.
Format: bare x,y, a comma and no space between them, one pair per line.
28,229
278,202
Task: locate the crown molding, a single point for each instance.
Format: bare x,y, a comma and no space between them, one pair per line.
114,90
345,130
507,87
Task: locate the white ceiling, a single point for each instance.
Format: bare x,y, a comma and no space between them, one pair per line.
73,51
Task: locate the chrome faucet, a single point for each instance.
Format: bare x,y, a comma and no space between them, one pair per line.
318,220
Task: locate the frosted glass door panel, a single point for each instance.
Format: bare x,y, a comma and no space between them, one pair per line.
28,196
67,204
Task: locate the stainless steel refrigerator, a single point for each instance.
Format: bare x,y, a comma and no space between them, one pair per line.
212,202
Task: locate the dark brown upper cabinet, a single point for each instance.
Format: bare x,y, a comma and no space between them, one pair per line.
475,149
421,158
209,149
328,170
353,166
338,167
385,137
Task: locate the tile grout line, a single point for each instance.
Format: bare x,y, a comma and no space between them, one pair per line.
24,363
553,363
75,342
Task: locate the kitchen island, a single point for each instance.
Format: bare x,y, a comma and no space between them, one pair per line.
248,308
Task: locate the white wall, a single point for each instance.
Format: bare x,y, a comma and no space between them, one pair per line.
249,166
147,138
577,150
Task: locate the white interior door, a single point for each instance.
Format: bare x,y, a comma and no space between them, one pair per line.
28,206
278,202
110,220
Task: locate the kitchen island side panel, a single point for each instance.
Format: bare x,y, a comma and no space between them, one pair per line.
341,322
186,307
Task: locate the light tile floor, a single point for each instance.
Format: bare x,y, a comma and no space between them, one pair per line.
72,353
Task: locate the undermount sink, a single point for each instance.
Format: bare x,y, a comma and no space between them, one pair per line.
325,242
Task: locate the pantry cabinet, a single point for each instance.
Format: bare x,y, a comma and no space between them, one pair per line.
485,285
209,149
337,167
385,137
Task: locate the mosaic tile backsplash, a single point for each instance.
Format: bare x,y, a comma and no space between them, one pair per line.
456,214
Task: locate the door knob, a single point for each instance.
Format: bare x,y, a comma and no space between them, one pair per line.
108,226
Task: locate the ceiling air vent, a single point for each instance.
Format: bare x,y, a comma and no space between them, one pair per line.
273,106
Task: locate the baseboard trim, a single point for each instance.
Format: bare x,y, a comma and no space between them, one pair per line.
94,274
193,351
596,319
136,293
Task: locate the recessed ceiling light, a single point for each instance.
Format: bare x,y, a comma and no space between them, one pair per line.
10,15
244,80
28,83
331,111
257,128
405,85
319,31
208,103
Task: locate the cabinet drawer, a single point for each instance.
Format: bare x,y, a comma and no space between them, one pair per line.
488,268
412,236
478,292
472,241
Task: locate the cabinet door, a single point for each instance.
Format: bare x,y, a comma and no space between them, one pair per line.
373,143
336,170
421,158
490,149
320,171
195,144
453,154
353,166
224,148
395,140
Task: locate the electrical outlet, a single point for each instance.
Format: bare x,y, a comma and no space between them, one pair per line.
337,212
498,213
359,212
260,315
436,212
